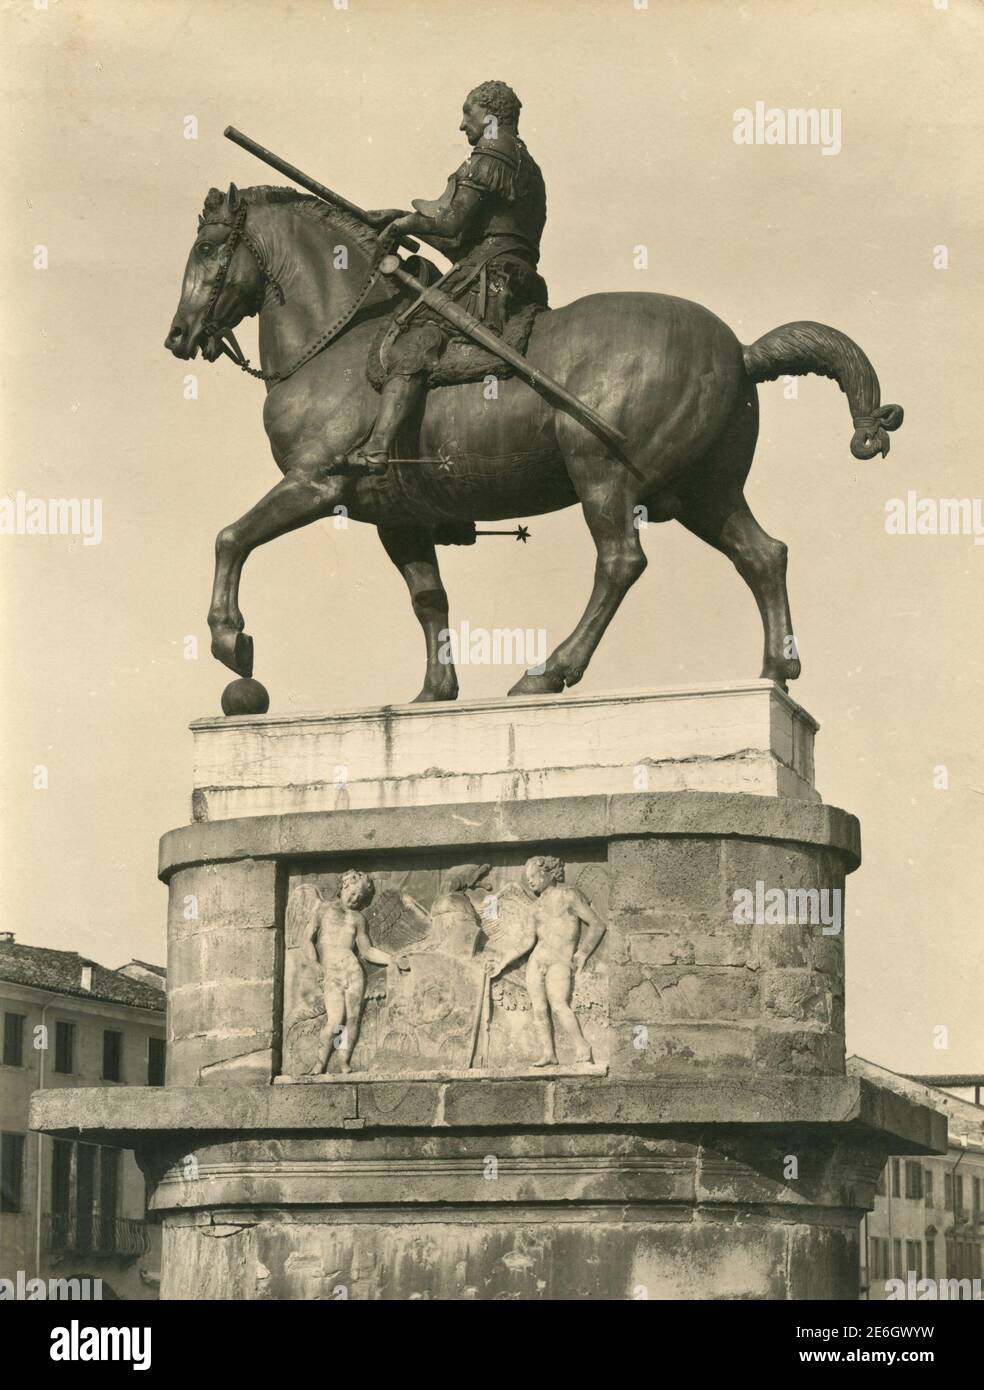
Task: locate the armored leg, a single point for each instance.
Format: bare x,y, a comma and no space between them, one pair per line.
401,396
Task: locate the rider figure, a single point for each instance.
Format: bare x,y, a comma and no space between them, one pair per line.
489,221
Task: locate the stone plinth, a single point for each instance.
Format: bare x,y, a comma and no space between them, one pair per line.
710,1147
749,737
712,995
567,1188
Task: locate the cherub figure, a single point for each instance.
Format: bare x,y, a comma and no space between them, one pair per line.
338,931
559,950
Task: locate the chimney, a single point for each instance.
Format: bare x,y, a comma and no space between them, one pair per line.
87,977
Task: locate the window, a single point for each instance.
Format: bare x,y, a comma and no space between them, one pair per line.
61,1176
913,1181
11,1171
65,1048
913,1257
109,1196
930,1257
880,1185
948,1191
155,1061
112,1055
897,1256
928,1184
85,1197
86,1189
13,1040
879,1259
958,1206
977,1199
896,1178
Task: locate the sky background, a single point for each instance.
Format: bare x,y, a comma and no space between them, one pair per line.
630,114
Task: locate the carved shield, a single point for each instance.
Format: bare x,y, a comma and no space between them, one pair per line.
428,1019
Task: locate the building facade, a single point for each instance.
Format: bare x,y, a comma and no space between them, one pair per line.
928,1217
71,1209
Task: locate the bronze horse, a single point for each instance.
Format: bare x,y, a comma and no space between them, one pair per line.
666,372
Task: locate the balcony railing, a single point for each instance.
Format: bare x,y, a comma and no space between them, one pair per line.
95,1235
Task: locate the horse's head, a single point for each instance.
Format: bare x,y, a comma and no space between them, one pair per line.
224,278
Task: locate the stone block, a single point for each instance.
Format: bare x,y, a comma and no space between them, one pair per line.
189,1057
675,993
801,1051
680,875
746,737
233,895
723,945
797,994
221,1004
496,1102
682,1049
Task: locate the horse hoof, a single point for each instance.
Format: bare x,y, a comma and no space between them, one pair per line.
235,650
432,697
542,684
781,672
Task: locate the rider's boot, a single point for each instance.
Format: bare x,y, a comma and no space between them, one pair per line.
401,395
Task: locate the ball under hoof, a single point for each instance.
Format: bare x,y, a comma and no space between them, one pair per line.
245,696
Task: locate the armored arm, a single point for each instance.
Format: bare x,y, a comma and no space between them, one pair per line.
440,223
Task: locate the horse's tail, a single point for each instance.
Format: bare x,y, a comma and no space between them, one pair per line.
797,349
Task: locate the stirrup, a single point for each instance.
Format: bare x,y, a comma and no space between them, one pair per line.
365,461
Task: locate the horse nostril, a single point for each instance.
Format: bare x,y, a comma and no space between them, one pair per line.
175,335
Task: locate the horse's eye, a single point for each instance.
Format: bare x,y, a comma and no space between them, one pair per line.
205,248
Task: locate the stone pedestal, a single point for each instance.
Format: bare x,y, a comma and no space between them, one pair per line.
712,1146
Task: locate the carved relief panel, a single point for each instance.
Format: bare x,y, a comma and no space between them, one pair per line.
431,965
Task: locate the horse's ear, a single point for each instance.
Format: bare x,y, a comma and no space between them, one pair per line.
201,222
233,198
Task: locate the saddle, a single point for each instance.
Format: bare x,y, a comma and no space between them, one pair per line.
461,362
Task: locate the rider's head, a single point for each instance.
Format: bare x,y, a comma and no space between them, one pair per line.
489,108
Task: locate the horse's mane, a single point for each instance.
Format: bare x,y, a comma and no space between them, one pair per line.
265,195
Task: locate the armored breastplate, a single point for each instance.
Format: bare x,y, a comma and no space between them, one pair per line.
514,202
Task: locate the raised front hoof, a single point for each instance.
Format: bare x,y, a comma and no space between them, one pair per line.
543,684
234,649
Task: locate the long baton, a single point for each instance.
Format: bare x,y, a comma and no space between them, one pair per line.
290,171
468,324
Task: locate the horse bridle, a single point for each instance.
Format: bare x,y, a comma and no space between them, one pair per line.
225,336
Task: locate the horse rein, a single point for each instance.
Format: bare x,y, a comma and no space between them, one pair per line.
225,336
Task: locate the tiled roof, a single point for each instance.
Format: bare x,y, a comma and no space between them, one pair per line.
60,972
147,965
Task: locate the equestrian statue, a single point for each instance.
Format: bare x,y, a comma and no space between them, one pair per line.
423,402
